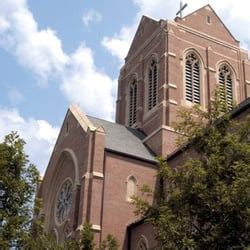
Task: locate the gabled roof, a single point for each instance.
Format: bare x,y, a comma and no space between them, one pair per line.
219,30
147,27
122,139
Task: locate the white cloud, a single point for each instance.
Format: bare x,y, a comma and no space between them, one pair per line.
118,45
85,85
235,14
39,135
41,51
91,16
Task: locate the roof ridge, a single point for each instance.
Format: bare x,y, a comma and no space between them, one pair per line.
115,123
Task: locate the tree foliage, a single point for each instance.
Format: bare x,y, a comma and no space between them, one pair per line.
18,179
110,243
20,223
204,202
87,237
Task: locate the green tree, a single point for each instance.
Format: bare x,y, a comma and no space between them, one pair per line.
110,243
18,179
87,237
204,202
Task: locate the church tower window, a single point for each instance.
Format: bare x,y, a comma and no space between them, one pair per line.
133,88
226,85
131,187
192,78
152,84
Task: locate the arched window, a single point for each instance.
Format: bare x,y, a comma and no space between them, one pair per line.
132,102
142,243
152,84
226,85
192,78
131,187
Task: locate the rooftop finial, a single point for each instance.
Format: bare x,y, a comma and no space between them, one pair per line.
182,7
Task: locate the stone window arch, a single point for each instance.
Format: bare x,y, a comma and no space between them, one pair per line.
133,101
131,187
225,77
152,91
142,243
192,78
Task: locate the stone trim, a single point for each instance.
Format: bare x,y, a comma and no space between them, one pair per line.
157,130
95,174
98,174
193,45
173,102
168,85
87,175
165,54
164,86
212,69
148,113
171,54
96,227
146,118
164,103
171,85
201,34
81,118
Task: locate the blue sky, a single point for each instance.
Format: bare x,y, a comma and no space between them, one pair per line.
53,53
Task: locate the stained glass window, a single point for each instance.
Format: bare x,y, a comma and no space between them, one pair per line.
64,201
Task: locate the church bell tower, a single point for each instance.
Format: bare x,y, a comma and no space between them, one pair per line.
173,64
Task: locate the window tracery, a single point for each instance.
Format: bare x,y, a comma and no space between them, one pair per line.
133,102
64,201
152,84
226,85
192,78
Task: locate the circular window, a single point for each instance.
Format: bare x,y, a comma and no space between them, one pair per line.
64,201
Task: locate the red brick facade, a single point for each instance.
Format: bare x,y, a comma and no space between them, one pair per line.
100,176
169,42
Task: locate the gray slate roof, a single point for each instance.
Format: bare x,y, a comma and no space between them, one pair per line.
123,139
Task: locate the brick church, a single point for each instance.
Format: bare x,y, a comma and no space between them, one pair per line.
97,165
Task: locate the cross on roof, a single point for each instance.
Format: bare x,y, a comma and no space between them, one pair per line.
182,7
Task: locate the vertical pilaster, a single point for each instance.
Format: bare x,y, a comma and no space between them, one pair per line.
96,182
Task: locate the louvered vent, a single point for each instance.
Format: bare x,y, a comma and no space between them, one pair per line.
192,78
226,86
152,85
132,102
